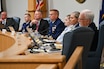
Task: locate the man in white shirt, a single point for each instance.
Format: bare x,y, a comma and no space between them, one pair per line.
7,22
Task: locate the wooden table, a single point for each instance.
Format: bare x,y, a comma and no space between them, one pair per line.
13,45
10,58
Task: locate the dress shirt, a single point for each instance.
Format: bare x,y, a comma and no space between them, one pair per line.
67,29
37,25
4,22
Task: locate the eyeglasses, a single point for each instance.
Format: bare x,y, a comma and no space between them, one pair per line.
82,19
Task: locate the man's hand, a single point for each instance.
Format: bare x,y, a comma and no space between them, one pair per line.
34,21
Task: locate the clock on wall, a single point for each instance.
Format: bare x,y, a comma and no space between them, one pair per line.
81,1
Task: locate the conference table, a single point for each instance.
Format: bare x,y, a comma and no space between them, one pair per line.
14,54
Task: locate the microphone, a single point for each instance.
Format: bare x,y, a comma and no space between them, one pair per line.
54,48
36,46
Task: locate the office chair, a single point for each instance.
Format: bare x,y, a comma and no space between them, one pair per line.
17,19
94,58
81,36
48,19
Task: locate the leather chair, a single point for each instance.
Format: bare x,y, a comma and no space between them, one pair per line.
17,19
94,58
48,19
81,36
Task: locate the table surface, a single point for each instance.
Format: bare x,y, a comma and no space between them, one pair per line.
21,45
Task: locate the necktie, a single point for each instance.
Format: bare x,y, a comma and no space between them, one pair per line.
25,26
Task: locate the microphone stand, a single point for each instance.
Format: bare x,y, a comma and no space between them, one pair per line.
35,46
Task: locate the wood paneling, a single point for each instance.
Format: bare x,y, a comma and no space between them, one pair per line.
32,8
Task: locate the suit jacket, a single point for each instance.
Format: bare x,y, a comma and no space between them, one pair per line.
24,26
56,28
43,27
95,38
11,22
93,26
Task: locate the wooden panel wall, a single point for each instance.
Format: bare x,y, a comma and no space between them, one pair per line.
32,8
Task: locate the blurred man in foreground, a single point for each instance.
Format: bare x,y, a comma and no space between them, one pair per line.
7,22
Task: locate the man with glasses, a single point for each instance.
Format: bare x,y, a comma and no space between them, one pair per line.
86,18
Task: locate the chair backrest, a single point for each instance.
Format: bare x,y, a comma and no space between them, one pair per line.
48,19
100,40
81,36
17,19
94,58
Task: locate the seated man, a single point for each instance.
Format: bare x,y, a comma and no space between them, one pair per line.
56,25
86,18
7,22
26,24
39,24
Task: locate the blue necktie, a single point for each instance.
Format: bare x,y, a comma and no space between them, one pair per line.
25,26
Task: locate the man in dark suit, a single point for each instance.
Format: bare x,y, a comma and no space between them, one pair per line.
86,19
26,24
7,22
56,25
39,24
